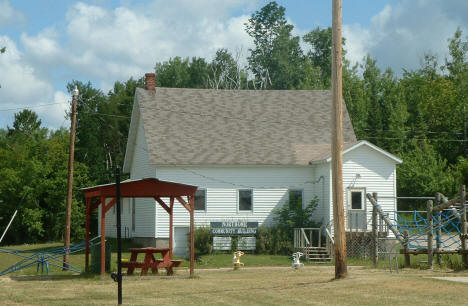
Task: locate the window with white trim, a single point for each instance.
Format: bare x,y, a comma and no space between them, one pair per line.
200,200
245,200
356,199
296,196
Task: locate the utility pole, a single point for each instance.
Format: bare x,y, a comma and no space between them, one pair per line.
337,144
119,239
71,157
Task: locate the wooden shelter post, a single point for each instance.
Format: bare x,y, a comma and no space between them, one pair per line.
103,236
192,235
143,188
88,207
171,227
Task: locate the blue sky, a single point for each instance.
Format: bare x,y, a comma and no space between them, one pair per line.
51,42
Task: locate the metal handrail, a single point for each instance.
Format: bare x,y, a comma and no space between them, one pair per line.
305,236
329,236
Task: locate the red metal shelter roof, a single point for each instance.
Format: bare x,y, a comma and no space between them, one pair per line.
142,188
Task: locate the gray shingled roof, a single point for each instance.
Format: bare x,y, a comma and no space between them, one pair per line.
238,127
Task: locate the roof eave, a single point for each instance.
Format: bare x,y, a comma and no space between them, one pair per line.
132,132
357,145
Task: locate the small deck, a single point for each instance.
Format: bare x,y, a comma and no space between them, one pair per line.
315,243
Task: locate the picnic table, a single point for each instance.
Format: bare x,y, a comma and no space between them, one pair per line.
150,262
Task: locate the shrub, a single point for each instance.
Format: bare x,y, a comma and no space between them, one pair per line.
278,239
203,244
270,240
292,215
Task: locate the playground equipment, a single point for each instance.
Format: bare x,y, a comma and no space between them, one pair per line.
445,223
8,226
47,258
236,260
296,264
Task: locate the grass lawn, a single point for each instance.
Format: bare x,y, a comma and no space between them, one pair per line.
248,286
207,261
266,280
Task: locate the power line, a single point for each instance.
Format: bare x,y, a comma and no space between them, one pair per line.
266,121
257,120
31,106
227,182
413,131
367,137
419,139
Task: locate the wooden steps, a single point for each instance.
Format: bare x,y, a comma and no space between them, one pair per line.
316,254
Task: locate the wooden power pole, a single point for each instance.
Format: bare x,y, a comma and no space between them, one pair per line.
71,157
337,143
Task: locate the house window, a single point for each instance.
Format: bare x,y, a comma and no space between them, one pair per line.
245,199
357,199
200,199
295,196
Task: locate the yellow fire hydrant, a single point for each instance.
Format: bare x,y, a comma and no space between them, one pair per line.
236,260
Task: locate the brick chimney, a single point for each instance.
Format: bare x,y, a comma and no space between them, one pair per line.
150,81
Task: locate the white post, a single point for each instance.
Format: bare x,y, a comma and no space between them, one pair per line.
8,226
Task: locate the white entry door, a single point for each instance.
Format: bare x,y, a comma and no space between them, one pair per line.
357,216
181,241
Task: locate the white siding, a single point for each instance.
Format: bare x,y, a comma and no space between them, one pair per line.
377,174
141,168
111,220
145,208
322,190
269,183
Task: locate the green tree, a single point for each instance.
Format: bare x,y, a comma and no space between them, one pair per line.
182,73
457,66
277,59
26,122
461,171
225,72
423,173
115,115
354,97
90,127
102,126
35,167
321,42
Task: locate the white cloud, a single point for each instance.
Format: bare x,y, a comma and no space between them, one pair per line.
21,86
115,44
358,42
401,34
55,113
9,15
106,45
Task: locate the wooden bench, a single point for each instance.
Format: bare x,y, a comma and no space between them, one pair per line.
174,263
150,262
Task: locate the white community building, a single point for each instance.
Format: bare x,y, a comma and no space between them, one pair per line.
248,152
